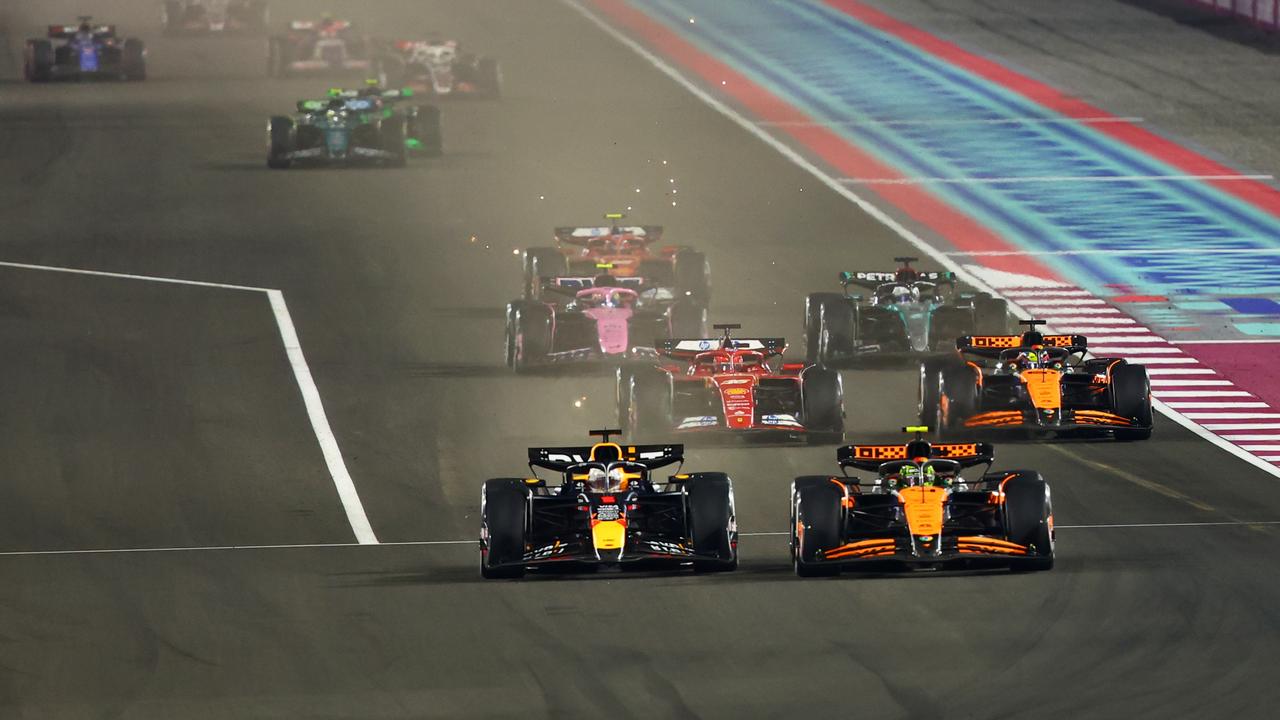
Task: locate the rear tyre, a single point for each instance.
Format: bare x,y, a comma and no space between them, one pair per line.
174,15
649,406
822,405
528,335
489,78
1029,519
539,263
688,320
503,519
929,397
816,524
837,331
133,60
393,138
959,398
990,316
713,526
37,62
277,57
813,305
1131,398
280,141
693,276
427,131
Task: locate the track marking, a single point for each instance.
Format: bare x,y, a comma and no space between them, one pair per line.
1200,394
1048,179
320,424
1230,523
1271,341
1135,251
943,258
1136,479
936,122
301,373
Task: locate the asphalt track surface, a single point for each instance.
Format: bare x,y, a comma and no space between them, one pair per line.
141,415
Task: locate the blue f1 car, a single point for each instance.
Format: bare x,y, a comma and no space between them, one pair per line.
91,52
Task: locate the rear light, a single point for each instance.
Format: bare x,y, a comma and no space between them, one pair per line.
793,367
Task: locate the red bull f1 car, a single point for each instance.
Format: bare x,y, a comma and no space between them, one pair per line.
912,507
601,319
1036,383
439,68
607,507
729,386
326,46
628,250
201,17
905,311
91,52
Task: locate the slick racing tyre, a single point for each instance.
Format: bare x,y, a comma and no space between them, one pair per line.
822,405
424,130
539,263
278,57
649,404
837,331
929,397
133,60
1131,398
813,308
503,517
990,315
693,276
393,141
528,335
713,526
816,524
1029,519
489,78
280,142
37,61
688,320
958,399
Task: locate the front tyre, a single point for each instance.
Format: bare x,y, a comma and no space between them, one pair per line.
1029,519
712,521
1131,398
822,404
816,524
280,142
504,511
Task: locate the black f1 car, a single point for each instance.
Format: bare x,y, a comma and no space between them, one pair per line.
908,311
1034,383
594,319
198,17
608,509
91,52
917,510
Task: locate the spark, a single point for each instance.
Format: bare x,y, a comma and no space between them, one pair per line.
515,251
473,238
542,197
577,403
637,189
692,21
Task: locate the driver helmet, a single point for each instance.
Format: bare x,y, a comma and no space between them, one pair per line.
929,476
904,293
1030,359
601,481
909,476
604,280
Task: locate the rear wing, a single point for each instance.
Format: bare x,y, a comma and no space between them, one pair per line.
574,284
560,459
575,235
687,349
65,32
874,279
991,345
871,457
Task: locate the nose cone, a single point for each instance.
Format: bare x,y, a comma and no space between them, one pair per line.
608,535
612,329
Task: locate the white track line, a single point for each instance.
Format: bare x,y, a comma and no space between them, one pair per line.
301,373
1201,393
961,121
1231,416
1271,341
841,189
320,424
1179,382
1219,427
1134,251
1211,404
1050,179
1252,438
1235,523
1123,350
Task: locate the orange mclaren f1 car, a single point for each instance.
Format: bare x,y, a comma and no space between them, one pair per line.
1037,383
916,510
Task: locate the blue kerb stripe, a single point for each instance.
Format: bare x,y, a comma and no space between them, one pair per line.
804,52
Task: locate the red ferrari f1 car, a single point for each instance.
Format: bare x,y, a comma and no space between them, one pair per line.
730,386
